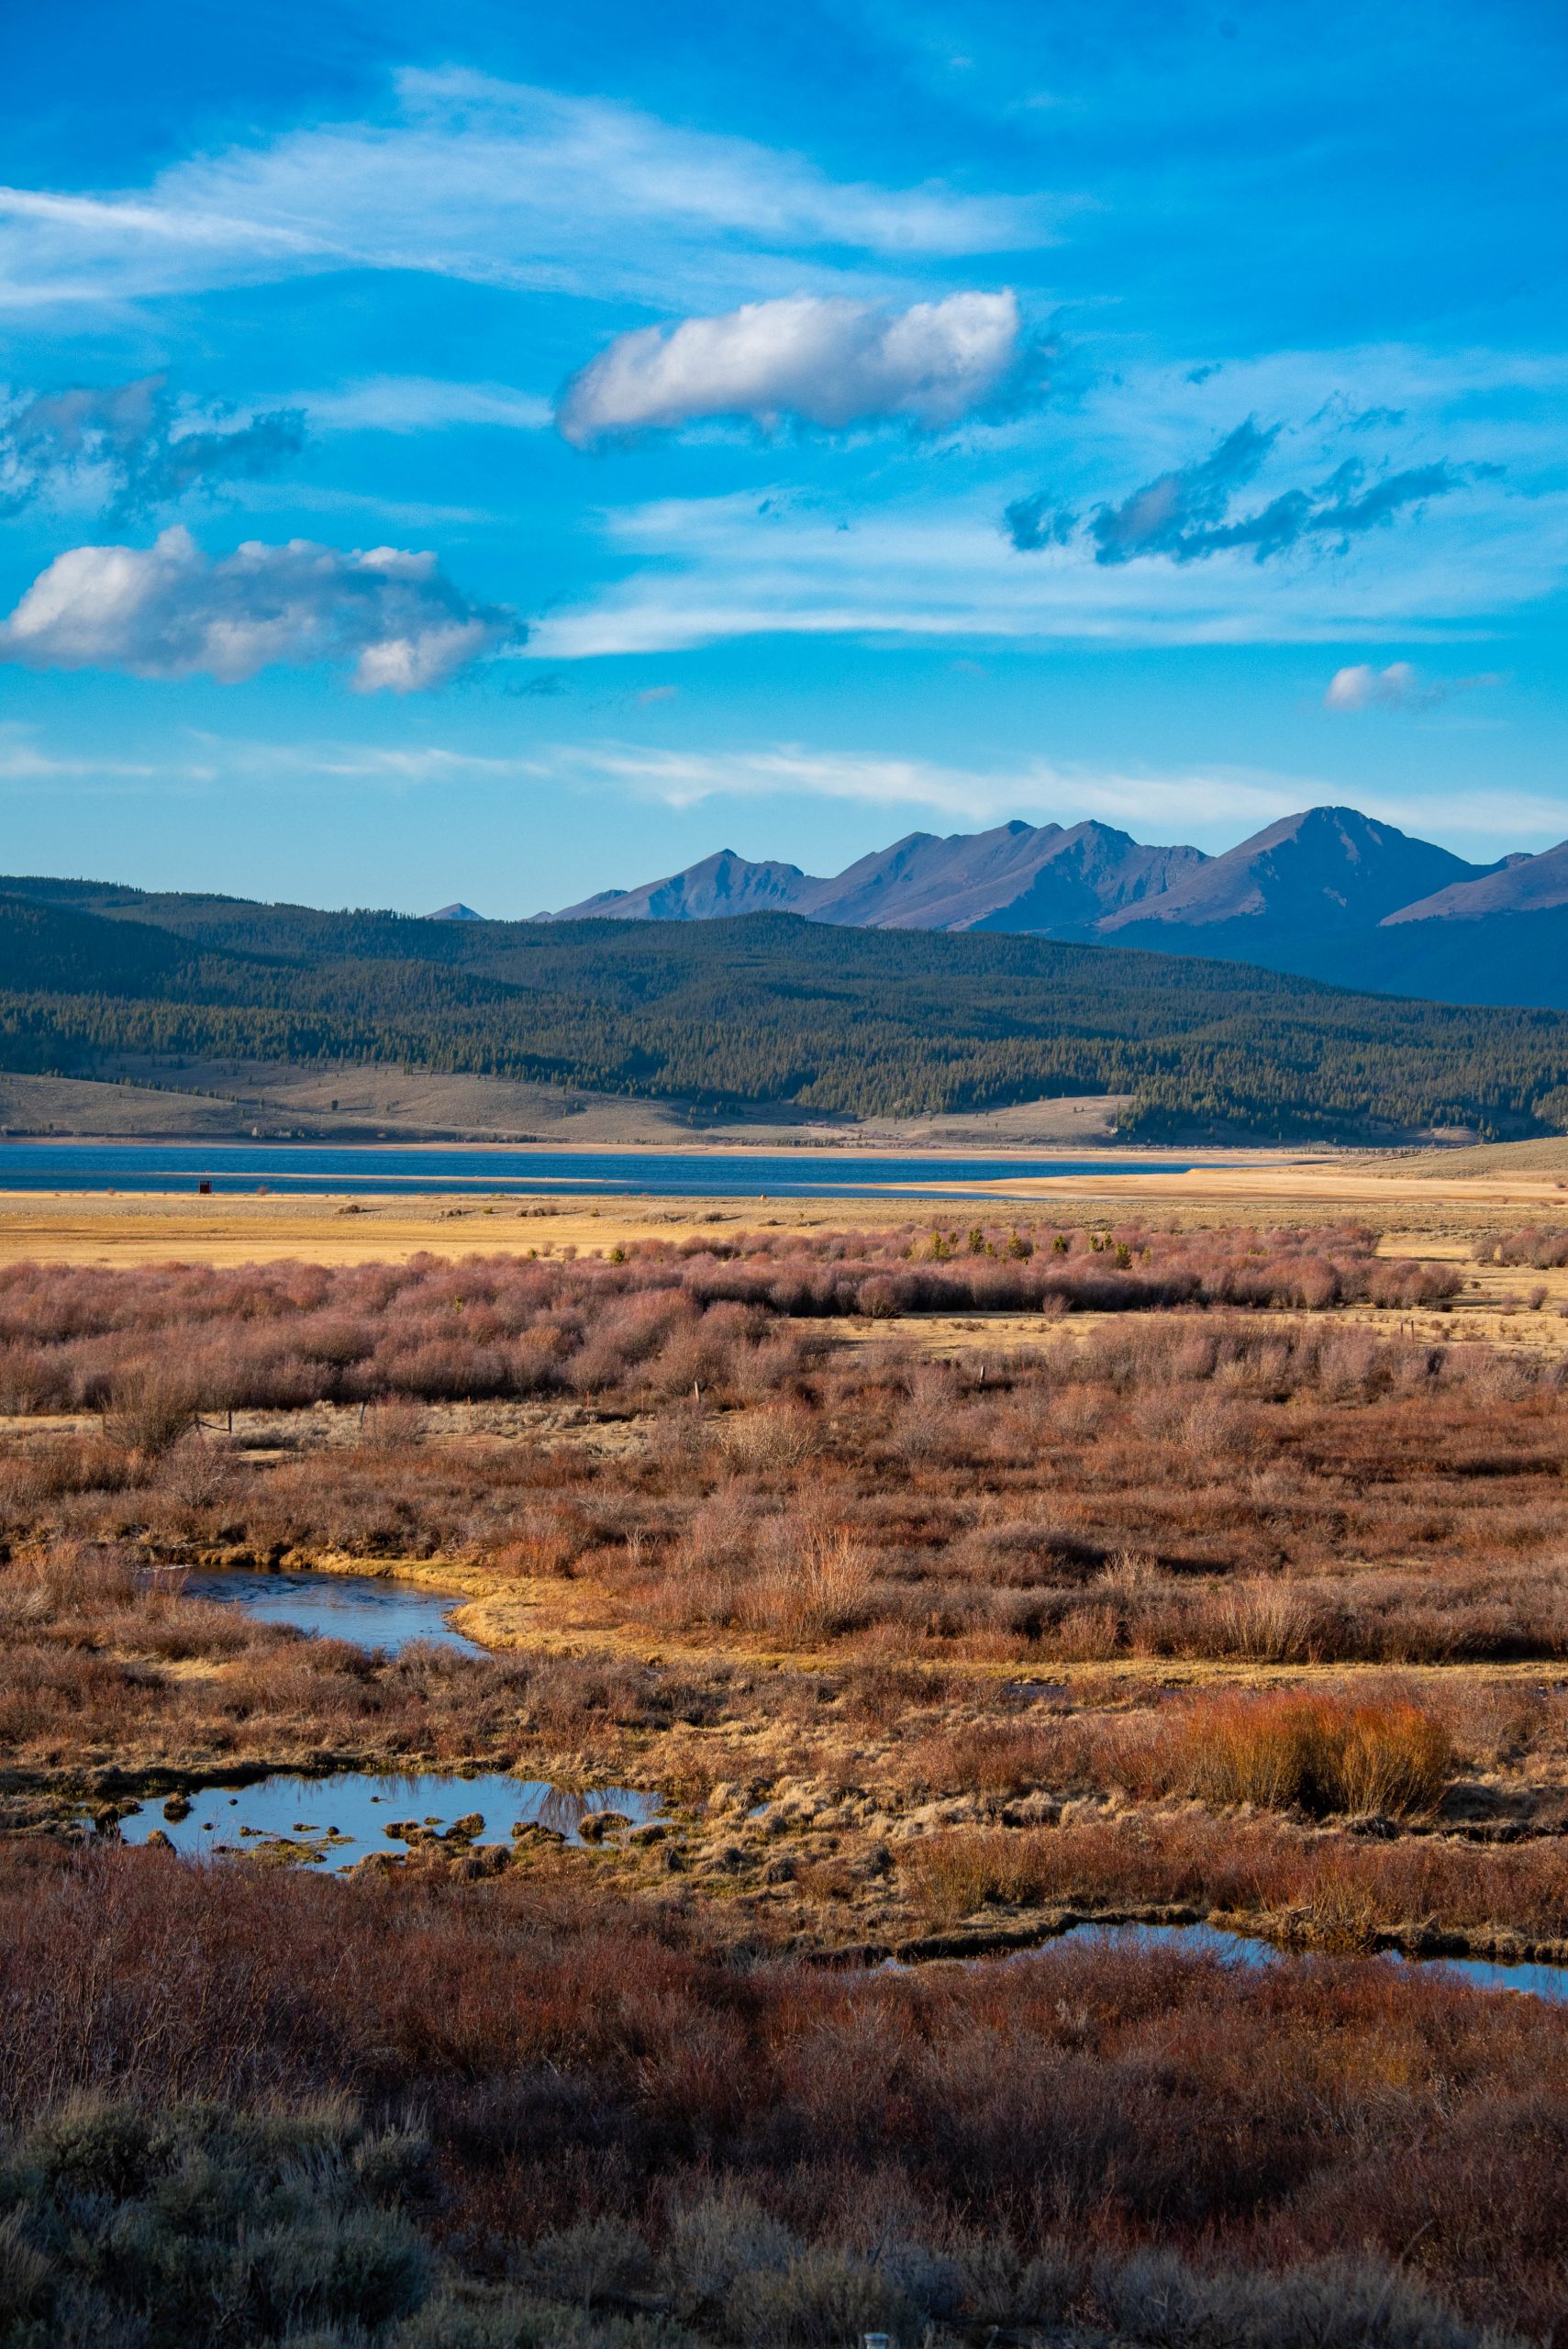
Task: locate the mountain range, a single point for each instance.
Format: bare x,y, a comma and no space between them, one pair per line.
1330,894
185,992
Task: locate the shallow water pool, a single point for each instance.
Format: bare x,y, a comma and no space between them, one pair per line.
1537,1981
335,1821
373,1610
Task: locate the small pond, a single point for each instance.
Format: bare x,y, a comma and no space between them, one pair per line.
335,1821
1238,1949
373,1611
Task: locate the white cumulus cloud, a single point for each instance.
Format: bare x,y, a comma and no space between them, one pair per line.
825,359
1364,687
168,610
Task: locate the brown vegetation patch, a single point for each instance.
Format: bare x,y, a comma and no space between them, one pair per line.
579,2063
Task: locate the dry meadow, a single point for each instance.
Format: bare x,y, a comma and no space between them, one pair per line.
955,1579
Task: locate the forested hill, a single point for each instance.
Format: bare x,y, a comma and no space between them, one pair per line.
767,1008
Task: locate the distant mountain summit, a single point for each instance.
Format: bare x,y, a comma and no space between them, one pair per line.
1086,874
456,911
1330,893
725,883
1040,880
1327,869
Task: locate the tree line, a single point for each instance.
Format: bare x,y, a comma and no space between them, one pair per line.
767,1008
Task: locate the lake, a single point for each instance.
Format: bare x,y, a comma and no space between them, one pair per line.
390,1171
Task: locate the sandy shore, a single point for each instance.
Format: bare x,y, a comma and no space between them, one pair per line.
1427,1196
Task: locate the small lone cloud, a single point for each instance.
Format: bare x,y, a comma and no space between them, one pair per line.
1398,686
655,693
1364,687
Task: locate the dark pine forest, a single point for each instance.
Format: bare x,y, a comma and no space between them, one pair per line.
767,1009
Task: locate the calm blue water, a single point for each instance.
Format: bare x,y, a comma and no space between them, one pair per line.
372,1610
1548,1982
342,1819
297,1168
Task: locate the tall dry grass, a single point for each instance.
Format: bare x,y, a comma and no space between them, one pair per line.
1181,1487
1243,1866
1319,1753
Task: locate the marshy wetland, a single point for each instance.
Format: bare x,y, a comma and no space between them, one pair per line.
757,1641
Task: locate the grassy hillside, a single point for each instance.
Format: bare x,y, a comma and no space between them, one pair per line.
767,1008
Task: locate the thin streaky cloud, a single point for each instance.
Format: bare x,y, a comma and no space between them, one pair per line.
758,564
497,183
1224,802
412,404
685,779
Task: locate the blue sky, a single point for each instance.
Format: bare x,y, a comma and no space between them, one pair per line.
501,453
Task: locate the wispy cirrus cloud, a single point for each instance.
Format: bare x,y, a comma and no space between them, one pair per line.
498,183
1037,787
1221,802
1215,803
408,404
707,571
167,611
194,756
822,360
136,443
23,761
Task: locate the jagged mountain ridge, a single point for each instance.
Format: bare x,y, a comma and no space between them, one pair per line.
1330,893
1037,880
